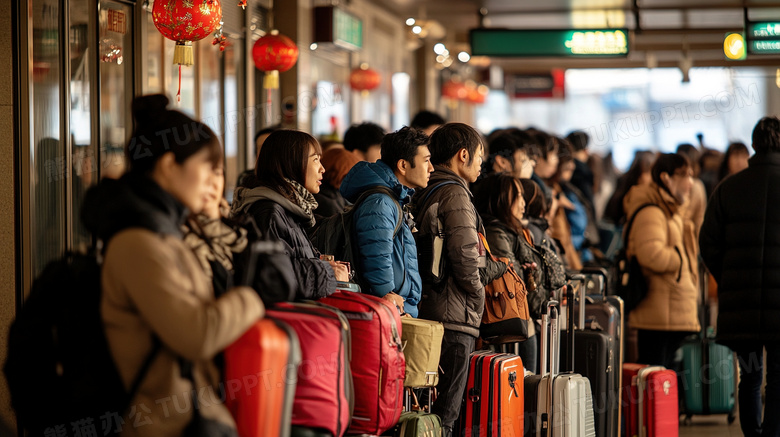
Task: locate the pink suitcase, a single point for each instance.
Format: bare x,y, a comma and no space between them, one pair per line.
324,393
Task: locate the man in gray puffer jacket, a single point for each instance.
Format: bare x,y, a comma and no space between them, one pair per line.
457,299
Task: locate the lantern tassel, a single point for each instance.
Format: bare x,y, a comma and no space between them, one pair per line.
271,80
268,106
182,54
178,94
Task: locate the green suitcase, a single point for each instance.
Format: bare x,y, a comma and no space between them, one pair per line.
417,424
708,378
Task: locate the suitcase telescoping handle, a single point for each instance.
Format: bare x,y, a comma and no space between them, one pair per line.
571,299
600,273
549,340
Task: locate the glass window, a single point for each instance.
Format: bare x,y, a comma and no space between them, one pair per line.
234,118
116,85
153,59
84,149
48,160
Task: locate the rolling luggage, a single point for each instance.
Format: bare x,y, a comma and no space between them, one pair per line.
324,392
421,340
597,354
417,424
708,379
650,401
493,400
261,379
709,372
557,404
378,375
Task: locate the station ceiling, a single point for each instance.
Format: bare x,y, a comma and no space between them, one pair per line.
662,33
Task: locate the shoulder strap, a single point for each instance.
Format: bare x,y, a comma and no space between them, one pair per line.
630,222
139,378
389,193
434,188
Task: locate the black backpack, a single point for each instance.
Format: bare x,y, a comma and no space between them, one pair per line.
59,368
333,235
631,286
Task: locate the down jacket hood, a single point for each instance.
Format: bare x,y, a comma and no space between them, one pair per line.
132,201
365,175
639,195
243,198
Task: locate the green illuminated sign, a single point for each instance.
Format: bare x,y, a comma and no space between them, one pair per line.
764,30
337,26
348,30
763,38
584,43
771,47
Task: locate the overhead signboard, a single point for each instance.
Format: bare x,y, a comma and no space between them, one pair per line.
734,46
578,43
337,26
763,38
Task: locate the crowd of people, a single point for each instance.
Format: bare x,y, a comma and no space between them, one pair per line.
174,284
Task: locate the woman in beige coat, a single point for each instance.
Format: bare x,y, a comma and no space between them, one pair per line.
157,303
668,259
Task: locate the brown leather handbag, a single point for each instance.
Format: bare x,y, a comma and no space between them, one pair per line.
506,318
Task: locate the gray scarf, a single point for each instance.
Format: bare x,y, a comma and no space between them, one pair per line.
304,199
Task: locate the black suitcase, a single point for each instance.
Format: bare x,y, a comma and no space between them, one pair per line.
595,355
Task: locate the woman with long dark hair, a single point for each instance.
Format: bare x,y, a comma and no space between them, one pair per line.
502,207
157,304
289,173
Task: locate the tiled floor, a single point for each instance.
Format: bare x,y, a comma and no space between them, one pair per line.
711,426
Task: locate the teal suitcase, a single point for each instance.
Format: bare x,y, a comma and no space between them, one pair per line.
708,379
417,424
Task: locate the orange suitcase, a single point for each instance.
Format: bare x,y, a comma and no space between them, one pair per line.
260,379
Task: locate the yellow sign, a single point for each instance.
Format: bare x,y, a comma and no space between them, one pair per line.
734,46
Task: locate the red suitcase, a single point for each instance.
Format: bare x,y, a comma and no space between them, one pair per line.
494,396
260,377
324,394
378,374
650,401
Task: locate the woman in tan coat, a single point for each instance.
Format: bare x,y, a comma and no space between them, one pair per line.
157,303
669,311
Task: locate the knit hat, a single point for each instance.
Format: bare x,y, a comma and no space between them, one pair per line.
337,162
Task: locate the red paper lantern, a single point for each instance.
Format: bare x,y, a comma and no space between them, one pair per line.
274,53
477,95
364,79
185,21
454,90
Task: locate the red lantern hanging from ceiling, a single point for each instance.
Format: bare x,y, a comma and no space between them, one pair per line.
274,53
364,79
477,94
454,90
185,21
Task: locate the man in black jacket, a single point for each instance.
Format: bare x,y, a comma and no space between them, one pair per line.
740,244
458,298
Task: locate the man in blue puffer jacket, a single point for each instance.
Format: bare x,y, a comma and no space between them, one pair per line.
388,263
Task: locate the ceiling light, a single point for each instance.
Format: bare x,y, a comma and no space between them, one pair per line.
440,58
410,21
416,30
463,57
313,46
439,49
